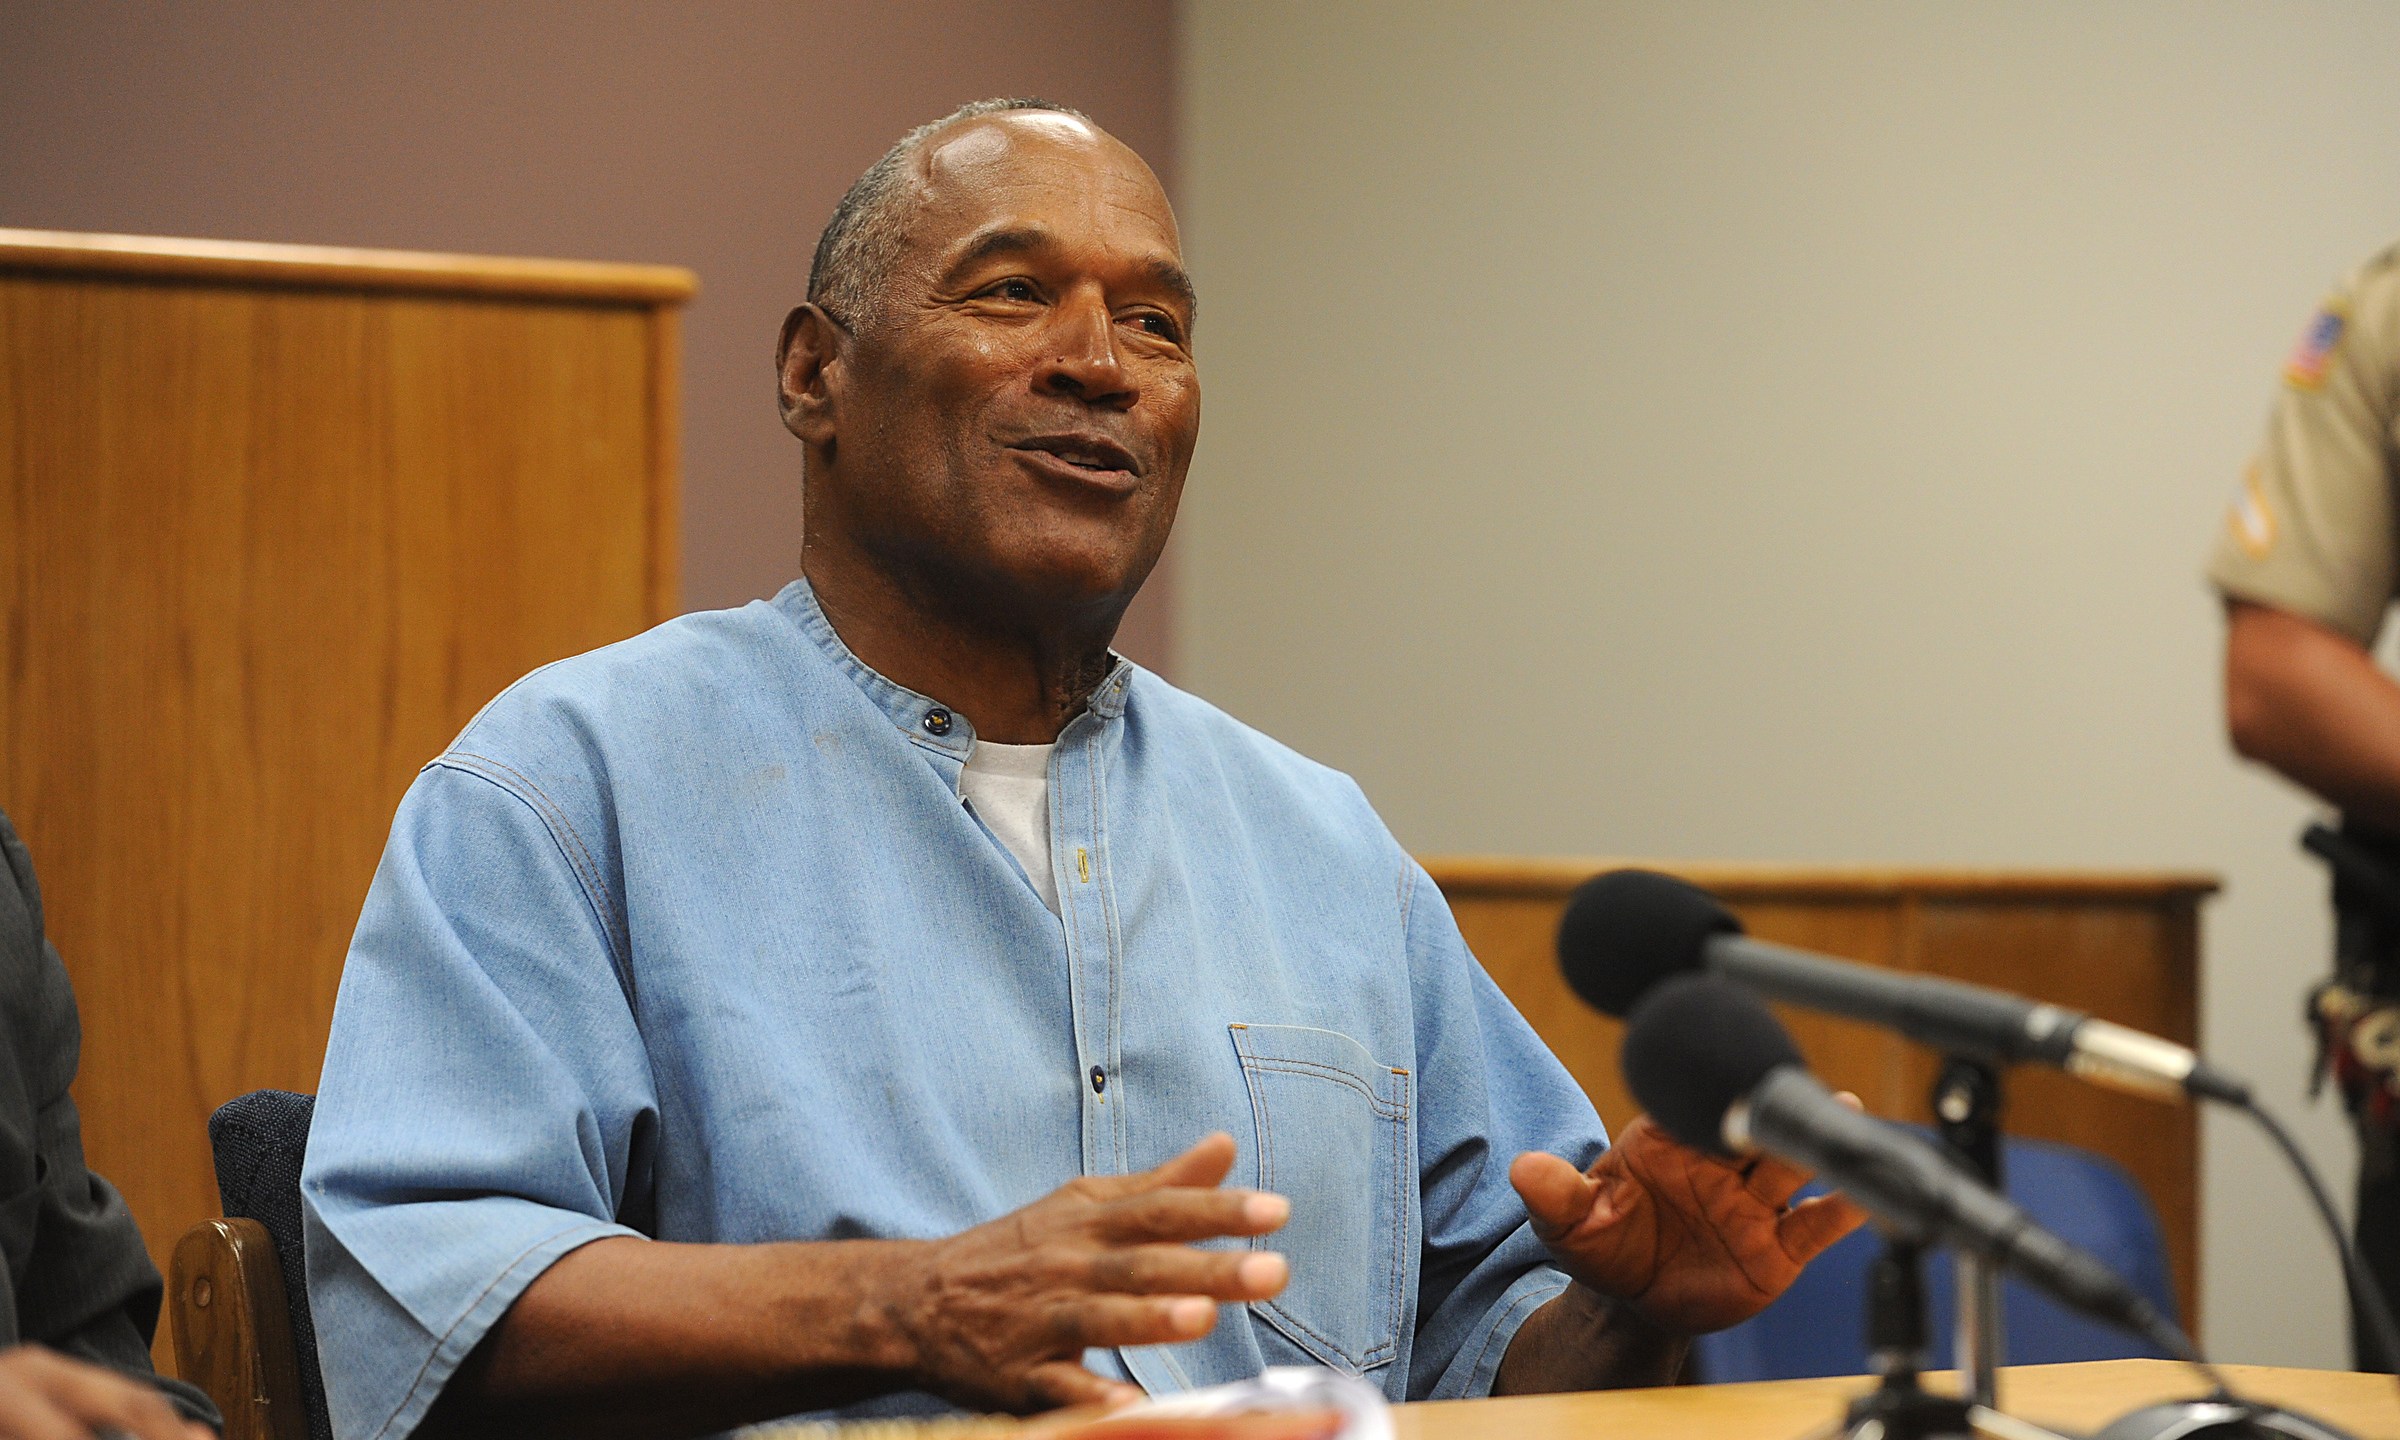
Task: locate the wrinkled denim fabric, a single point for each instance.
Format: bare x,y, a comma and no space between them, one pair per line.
692,937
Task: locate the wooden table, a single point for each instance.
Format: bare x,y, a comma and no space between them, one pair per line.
2077,1399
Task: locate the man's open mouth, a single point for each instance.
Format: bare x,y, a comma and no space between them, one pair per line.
1085,452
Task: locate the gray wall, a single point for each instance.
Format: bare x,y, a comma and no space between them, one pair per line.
1783,431
716,136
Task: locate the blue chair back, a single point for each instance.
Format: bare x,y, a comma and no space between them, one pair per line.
1818,1327
259,1140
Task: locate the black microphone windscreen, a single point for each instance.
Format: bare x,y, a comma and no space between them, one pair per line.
1625,931
1695,1045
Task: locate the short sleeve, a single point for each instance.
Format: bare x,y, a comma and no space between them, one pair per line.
1488,1090
482,1090
2312,530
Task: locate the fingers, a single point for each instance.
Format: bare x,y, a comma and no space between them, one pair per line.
1102,1261
1100,1321
1814,1224
1556,1194
1057,1383
30,1415
1776,1182
1182,1200
46,1396
1206,1163
1188,1214
1180,1270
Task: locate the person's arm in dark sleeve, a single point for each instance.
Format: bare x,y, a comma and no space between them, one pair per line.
82,1282
90,1291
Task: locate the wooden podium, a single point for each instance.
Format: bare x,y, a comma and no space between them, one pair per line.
2121,946
274,523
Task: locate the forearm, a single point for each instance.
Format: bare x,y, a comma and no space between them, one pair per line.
638,1337
2311,704
1584,1340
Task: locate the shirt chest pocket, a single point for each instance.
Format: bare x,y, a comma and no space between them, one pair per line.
1334,1134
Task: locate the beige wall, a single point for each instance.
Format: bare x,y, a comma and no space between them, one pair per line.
1783,431
716,136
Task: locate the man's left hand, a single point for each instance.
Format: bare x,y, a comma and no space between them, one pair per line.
1691,1242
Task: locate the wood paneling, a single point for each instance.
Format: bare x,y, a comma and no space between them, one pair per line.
2121,946
274,523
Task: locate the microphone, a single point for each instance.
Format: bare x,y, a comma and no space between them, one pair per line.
1625,931
1718,1072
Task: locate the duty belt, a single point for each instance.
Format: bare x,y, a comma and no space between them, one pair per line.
2355,1015
2358,1044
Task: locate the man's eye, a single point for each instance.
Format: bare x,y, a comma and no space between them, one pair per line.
1014,290
1163,326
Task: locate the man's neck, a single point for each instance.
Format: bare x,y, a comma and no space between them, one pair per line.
1018,685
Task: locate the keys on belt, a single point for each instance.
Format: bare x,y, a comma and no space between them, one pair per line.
2358,1043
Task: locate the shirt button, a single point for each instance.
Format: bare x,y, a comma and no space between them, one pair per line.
1099,1081
937,721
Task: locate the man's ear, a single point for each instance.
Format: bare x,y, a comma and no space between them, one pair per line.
807,354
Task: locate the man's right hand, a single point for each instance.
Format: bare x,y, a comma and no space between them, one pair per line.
998,1317
632,1337
47,1396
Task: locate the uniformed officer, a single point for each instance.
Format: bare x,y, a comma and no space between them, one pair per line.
2308,565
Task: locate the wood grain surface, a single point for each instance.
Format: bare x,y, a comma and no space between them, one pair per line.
2073,1398
233,1329
1556,876
2121,946
321,267
264,548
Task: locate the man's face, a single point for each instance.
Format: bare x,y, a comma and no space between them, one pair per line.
1014,422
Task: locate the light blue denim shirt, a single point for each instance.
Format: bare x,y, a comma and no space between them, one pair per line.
692,937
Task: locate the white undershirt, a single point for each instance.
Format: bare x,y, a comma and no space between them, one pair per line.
1009,786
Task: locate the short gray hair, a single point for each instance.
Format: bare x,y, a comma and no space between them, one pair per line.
855,254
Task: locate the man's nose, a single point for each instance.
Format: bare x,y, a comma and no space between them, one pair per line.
1083,361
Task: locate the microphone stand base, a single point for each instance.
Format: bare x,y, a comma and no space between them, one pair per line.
2218,1416
1902,1411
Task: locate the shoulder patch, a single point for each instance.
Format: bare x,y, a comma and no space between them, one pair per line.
2252,523
2306,369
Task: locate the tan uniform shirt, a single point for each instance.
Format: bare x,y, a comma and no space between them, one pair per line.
2315,529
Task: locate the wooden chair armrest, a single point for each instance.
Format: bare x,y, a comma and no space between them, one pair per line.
233,1329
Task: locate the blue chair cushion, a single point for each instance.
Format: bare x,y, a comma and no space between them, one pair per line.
259,1140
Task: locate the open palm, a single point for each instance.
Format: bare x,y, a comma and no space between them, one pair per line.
1694,1243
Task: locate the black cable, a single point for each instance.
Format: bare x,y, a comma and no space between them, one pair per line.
2170,1337
2366,1297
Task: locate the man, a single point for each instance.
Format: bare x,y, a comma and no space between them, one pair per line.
2307,568
78,1294
816,1005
